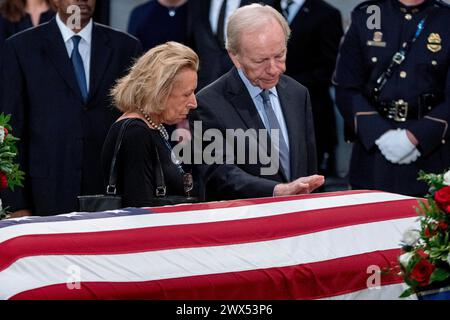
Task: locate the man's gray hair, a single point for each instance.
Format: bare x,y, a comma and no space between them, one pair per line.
252,18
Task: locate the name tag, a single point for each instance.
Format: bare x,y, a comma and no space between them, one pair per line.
376,43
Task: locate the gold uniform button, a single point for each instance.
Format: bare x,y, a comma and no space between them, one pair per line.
434,63
408,16
374,59
403,74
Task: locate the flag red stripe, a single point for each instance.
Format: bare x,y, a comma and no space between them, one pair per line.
201,234
306,281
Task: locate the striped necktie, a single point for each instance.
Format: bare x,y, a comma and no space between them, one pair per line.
274,124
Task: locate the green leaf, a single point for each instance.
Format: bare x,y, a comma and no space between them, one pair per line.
439,275
407,293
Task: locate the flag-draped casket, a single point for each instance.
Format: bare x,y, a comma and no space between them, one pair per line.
319,246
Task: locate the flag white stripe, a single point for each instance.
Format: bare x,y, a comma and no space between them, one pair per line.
33,272
192,217
387,292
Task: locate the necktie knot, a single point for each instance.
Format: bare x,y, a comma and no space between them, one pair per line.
76,41
265,95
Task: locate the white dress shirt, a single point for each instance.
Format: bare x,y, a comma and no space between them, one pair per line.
84,47
214,11
293,9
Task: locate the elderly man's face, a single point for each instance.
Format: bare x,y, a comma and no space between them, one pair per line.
263,55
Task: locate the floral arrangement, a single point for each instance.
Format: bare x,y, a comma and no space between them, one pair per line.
10,175
425,261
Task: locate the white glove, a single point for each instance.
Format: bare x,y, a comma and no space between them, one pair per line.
410,157
396,147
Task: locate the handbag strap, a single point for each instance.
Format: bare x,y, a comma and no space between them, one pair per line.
112,181
159,177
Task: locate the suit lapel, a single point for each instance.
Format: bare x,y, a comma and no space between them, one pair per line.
242,102
205,16
294,127
56,50
100,56
301,15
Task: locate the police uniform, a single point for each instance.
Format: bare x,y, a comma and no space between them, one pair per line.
415,97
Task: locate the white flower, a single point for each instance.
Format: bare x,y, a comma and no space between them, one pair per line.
405,258
2,134
447,178
411,236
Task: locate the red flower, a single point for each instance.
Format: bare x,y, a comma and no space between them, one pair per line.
442,198
3,180
443,225
422,272
429,232
422,254
6,131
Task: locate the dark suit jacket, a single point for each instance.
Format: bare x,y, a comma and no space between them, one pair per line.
226,104
61,137
311,58
214,60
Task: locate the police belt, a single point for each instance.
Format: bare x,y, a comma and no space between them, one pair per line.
400,111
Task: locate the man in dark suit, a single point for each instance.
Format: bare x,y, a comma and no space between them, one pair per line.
207,21
312,50
56,80
255,97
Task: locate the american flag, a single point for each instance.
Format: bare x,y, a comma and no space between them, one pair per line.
319,246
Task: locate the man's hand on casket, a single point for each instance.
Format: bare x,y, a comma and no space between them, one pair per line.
300,186
20,213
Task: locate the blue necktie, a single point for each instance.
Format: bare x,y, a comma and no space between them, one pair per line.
78,68
274,124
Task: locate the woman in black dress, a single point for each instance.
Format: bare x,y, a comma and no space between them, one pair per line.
18,15
158,91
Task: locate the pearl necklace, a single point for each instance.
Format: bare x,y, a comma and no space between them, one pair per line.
162,130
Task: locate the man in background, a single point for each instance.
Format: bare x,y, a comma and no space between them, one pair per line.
55,83
311,58
207,22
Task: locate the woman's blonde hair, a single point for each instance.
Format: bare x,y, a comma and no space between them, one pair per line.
150,80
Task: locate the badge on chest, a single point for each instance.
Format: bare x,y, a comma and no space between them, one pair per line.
377,40
434,42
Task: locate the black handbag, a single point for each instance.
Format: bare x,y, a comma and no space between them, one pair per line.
110,200
161,199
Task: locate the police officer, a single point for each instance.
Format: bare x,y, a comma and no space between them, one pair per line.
393,89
